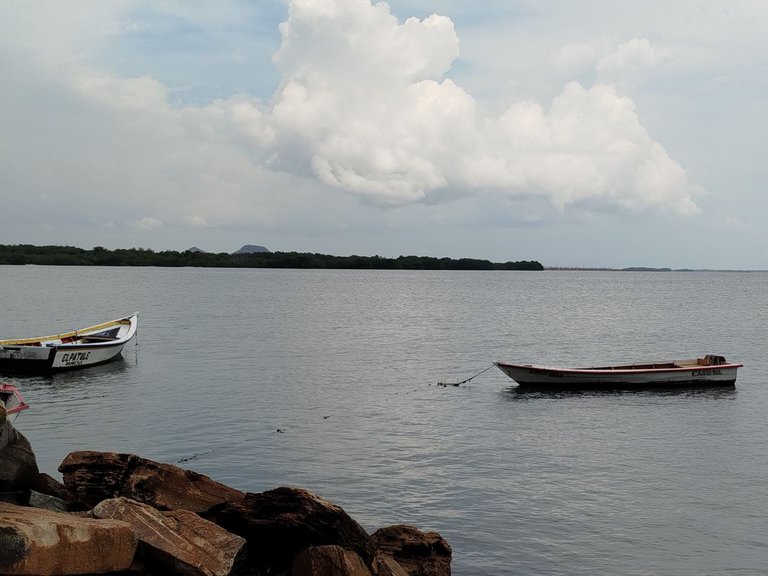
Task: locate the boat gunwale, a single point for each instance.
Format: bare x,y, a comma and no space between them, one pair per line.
36,342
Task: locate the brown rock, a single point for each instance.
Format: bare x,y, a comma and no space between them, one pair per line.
419,553
329,561
280,523
91,477
46,484
384,565
180,541
41,542
18,465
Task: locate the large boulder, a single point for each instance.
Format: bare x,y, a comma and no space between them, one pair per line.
280,523
19,474
179,541
329,561
41,542
18,465
91,477
419,553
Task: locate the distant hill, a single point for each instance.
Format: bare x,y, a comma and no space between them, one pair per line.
195,250
251,249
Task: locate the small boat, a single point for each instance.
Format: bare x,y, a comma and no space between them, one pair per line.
12,400
75,349
710,370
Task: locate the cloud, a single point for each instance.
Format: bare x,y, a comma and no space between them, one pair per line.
589,147
196,221
631,58
363,107
148,223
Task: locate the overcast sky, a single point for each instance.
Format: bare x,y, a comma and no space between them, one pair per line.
576,133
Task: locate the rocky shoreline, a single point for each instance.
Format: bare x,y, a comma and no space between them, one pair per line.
123,514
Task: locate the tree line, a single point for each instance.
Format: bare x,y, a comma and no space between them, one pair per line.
71,256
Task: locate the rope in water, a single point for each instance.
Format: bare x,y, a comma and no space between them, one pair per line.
467,380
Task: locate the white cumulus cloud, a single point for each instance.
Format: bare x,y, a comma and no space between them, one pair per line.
364,106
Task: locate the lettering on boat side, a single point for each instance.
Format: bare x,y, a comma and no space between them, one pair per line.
546,373
74,358
715,372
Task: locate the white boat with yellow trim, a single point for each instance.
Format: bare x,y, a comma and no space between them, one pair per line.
74,349
709,370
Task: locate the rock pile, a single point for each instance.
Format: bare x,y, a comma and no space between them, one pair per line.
119,513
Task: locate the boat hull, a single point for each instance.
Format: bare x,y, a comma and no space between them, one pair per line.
28,360
88,347
540,377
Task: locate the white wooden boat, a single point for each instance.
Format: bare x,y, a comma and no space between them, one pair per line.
75,349
12,400
710,370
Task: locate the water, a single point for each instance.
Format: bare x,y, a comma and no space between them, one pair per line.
328,380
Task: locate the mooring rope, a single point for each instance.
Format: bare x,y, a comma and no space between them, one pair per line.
467,380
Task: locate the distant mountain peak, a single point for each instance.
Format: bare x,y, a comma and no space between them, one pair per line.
194,249
251,249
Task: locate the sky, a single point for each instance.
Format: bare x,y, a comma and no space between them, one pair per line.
590,133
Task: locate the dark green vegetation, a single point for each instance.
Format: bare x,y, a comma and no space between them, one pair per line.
71,256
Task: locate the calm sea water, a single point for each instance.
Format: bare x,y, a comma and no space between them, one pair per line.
328,380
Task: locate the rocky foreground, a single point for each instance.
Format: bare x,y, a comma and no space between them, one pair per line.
119,513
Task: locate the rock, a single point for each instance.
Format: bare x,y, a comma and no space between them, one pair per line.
91,477
329,561
280,523
384,565
7,431
46,484
179,541
18,465
41,542
46,502
419,553
19,497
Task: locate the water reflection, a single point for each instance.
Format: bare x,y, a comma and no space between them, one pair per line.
69,378
515,393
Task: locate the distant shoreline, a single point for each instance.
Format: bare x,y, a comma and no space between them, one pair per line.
23,254
28,254
643,269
